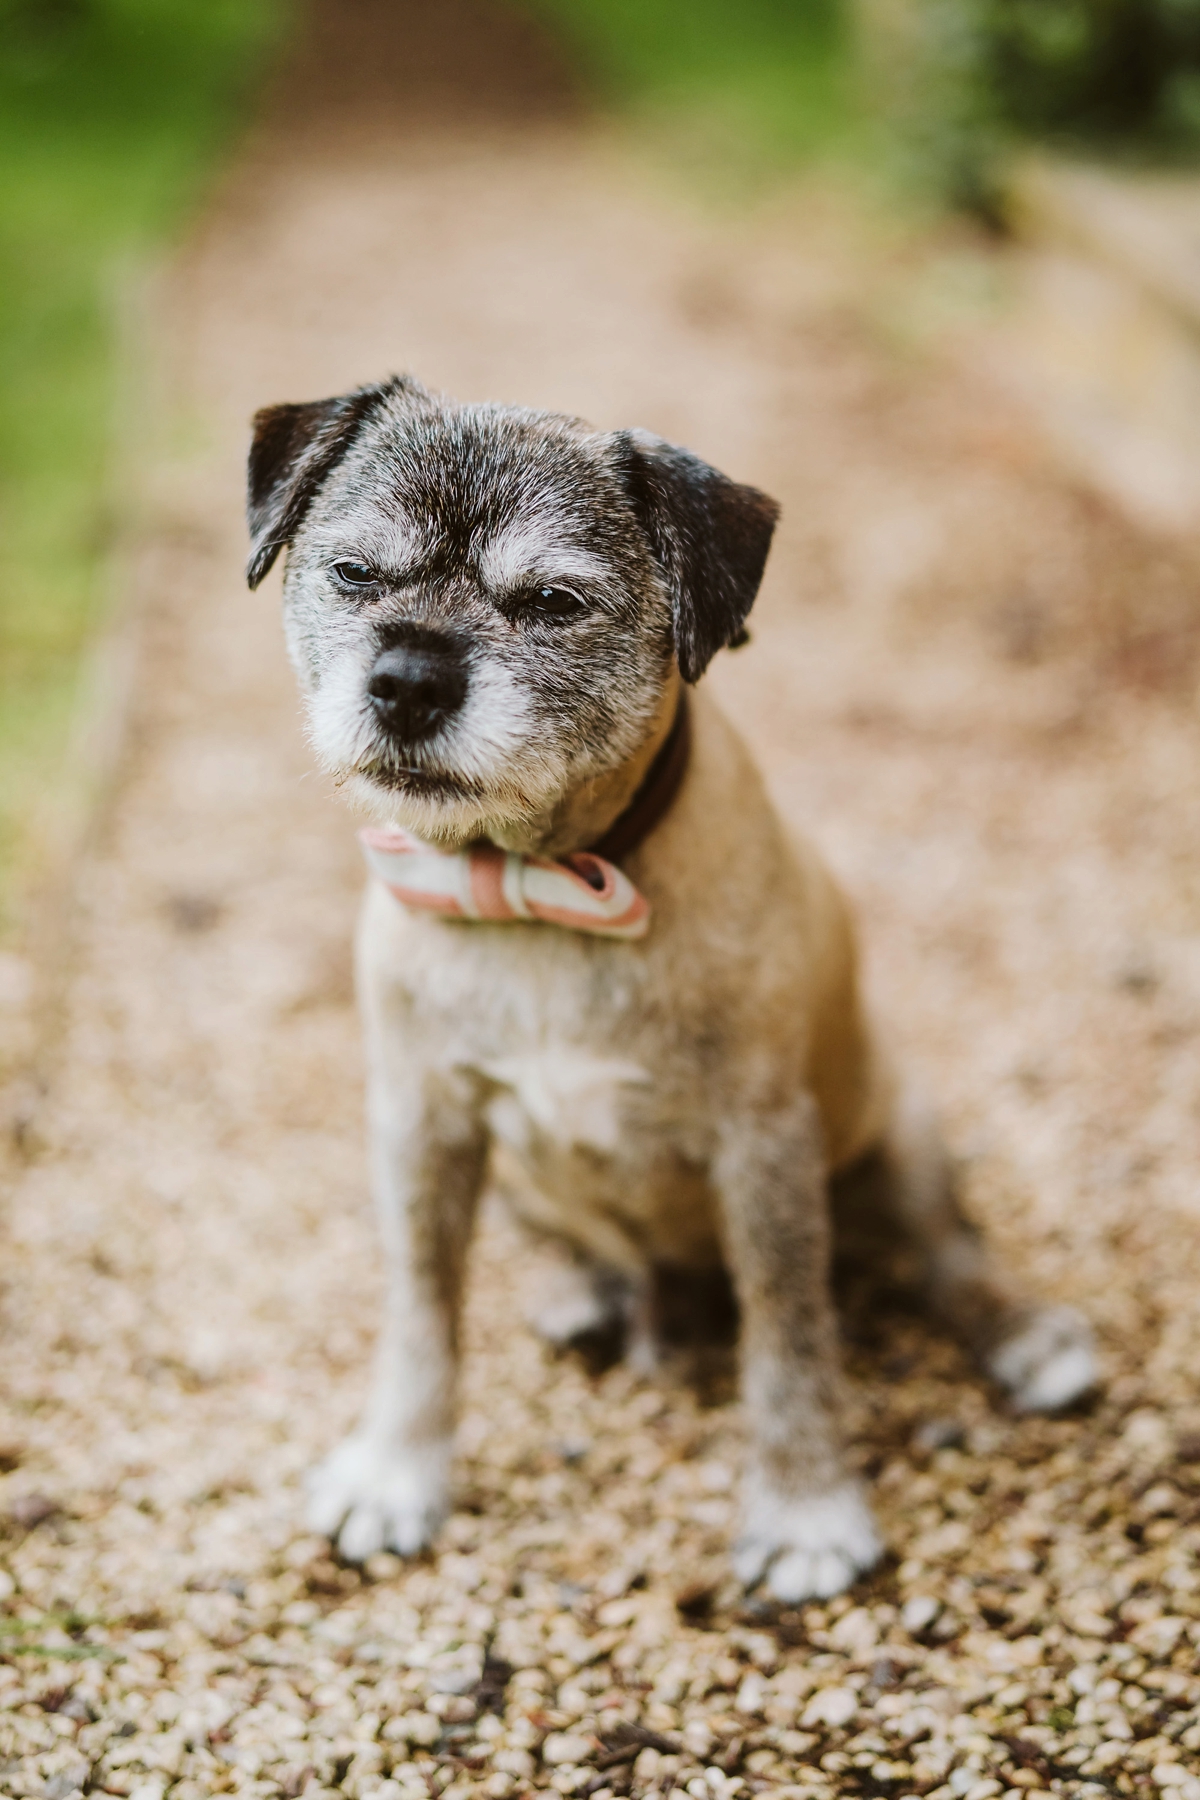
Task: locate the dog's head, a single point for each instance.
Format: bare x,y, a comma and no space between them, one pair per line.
485,604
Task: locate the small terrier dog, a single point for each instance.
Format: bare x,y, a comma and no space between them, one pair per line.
611,983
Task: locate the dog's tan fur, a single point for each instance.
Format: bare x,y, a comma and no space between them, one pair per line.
734,1059
677,1102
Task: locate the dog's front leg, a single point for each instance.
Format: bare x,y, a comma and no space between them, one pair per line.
807,1530
387,1485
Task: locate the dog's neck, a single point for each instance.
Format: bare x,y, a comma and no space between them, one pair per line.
585,818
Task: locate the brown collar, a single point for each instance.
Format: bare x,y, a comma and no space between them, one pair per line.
653,799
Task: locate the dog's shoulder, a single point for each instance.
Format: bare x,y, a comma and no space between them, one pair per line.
724,855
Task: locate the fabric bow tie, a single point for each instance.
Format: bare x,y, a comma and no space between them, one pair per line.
582,893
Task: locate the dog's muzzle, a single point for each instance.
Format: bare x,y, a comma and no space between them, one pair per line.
415,688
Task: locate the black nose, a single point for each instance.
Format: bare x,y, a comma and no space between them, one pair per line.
415,688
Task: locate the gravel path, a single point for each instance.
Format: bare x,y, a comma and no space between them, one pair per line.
976,688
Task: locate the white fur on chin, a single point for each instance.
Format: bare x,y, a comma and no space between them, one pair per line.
493,746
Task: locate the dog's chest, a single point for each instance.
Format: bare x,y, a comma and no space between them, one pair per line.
507,1001
567,1096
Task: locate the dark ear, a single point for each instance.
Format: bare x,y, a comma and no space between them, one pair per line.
294,449
709,535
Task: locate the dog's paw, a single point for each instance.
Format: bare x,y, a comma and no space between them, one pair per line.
368,1497
808,1548
1047,1361
572,1302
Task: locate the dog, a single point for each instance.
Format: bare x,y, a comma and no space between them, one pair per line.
498,618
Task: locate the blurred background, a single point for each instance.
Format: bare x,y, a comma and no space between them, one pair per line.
118,116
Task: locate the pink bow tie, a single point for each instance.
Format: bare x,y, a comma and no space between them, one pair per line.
583,892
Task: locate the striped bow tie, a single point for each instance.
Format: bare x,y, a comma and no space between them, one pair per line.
583,892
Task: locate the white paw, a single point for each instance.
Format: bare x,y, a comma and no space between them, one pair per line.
807,1548
569,1303
1048,1361
369,1497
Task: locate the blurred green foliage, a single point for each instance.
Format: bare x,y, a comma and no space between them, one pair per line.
111,115
1095,70
745,86
962,81
935,90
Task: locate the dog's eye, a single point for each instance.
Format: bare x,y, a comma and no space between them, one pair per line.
354,574
551,603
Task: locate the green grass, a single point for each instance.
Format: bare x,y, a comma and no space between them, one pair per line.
113,113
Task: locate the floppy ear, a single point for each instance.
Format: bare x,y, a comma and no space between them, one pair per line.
709,535
295,447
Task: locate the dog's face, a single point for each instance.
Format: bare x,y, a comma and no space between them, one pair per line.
484,604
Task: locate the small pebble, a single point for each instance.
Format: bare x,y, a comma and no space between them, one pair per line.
918,1613
31,1510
